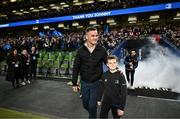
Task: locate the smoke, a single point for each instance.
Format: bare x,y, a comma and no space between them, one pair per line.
160,70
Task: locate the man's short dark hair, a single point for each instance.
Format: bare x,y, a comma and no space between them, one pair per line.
110,57
90,28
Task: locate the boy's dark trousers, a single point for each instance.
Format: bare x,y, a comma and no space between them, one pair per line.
89,93
105,107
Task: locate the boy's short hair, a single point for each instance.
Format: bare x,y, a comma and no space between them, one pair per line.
110,57
90,28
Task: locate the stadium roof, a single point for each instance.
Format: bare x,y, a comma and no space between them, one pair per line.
19,10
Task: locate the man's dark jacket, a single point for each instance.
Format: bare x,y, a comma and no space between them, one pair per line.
89,65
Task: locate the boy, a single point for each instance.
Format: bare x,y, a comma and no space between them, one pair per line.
113,90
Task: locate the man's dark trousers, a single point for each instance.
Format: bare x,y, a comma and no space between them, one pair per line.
89,97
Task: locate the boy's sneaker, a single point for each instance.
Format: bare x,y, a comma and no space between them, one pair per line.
28,82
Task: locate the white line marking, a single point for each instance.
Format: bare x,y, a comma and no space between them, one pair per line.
173,100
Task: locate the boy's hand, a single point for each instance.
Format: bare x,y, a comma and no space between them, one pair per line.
130,63
120,112
99,103
75,88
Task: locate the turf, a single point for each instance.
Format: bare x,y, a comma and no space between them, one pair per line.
13,114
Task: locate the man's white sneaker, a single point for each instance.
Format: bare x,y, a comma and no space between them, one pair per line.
128,85
23,83
69,83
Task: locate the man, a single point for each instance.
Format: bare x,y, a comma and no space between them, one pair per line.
88,62
131,63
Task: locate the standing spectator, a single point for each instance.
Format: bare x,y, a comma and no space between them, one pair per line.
13,72
88,62
131,63
33,62
25,66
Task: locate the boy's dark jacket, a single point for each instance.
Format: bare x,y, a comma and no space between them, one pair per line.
113,89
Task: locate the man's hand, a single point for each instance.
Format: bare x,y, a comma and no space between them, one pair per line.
120,112
99,103
75,88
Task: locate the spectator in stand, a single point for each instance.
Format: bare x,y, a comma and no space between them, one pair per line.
25,67
13,73
33,62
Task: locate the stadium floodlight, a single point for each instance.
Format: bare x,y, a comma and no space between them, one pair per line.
77,3
66,5
14,11
31,8
112,24
132,22
19,13
79,27
93,22
132,18
89,1
46,27
51,5
55,7
102,0
40,7
110,20
154,17
110,1
75,24
62,3
25,12
12,0
176,18
3,15
153,20
44,9
60,25
35,10
35,28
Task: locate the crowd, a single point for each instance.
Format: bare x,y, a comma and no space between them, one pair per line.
21,66
174,35
72,40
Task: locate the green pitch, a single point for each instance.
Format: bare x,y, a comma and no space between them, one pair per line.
12,114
